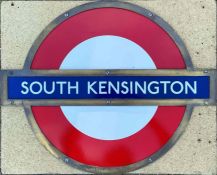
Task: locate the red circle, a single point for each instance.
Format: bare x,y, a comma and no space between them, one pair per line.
119,22
108,21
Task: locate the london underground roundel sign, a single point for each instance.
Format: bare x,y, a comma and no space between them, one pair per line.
116,89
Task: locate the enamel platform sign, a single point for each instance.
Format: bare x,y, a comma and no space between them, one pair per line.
108,87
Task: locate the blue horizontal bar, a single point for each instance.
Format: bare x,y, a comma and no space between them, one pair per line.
109,87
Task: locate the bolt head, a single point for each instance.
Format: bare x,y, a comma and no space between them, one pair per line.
150,160
150,14
11,73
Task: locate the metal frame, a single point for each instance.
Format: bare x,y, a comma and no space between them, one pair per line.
113,170
115,102
116,4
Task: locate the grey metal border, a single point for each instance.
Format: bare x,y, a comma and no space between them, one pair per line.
89,6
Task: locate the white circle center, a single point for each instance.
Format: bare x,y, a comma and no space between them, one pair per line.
108,122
